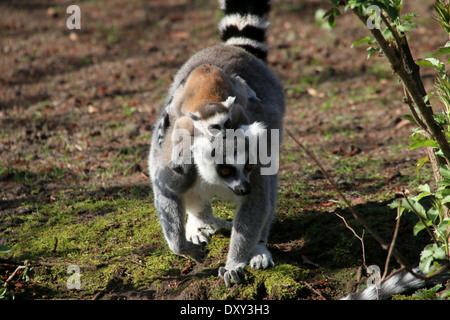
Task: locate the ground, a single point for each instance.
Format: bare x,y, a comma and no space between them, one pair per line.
76,114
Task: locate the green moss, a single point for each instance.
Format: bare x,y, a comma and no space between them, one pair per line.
103,237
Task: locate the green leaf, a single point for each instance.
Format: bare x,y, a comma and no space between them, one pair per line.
332,12
444,182
430,62
419,226
445,171
424,188
332,21
445,200
425,263
428,294
410,118
409,16
363,40
414,206
433,63
423,142
442,50
421,162
445,294
430,252
442,228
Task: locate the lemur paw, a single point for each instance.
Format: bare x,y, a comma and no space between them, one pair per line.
261,258
235,273
200,231
197,252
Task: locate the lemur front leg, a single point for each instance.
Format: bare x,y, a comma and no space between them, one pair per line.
249,223
168,188
171,213
261,258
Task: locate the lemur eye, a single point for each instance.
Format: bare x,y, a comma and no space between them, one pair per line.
249,166
225,171
227,124
213,127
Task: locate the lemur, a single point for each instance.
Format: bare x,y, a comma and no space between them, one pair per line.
210,102
213,98
241,56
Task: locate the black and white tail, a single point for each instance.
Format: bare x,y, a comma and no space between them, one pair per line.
398,284
245,24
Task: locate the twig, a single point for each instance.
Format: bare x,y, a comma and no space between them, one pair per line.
335,187
382,243
393,31
410,104
310,287
361,238
391,247
13,274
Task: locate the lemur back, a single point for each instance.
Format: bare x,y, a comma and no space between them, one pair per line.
235,68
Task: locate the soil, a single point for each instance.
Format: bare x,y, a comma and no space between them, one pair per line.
77,109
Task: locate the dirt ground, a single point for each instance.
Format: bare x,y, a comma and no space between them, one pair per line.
77,108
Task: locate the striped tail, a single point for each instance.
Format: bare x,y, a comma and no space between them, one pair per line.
245,24
398,284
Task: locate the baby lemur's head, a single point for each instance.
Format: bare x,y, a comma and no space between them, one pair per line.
215,117
228,160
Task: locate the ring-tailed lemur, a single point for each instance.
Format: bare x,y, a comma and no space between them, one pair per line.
241,56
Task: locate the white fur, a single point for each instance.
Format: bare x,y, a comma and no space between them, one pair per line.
229,102
203,124
236,41
254,130
206,164
242,21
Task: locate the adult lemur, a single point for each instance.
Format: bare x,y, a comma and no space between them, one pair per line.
239,59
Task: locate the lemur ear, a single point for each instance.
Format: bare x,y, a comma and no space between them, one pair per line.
193,116
162,128
251,95
229,102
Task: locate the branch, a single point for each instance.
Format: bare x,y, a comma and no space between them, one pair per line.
410,104
391,247
404,66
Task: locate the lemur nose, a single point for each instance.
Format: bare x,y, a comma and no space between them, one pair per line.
242,189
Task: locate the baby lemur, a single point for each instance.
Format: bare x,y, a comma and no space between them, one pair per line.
210,102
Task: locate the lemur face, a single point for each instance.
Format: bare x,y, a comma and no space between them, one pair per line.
214,118
235,178
214,125
227,162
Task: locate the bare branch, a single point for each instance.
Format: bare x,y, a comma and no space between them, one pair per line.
391,247
404,66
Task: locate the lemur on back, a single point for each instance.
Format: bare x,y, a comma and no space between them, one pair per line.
226,85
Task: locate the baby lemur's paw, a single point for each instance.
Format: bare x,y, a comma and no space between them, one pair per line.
261,258
200,231
235,273
197,252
